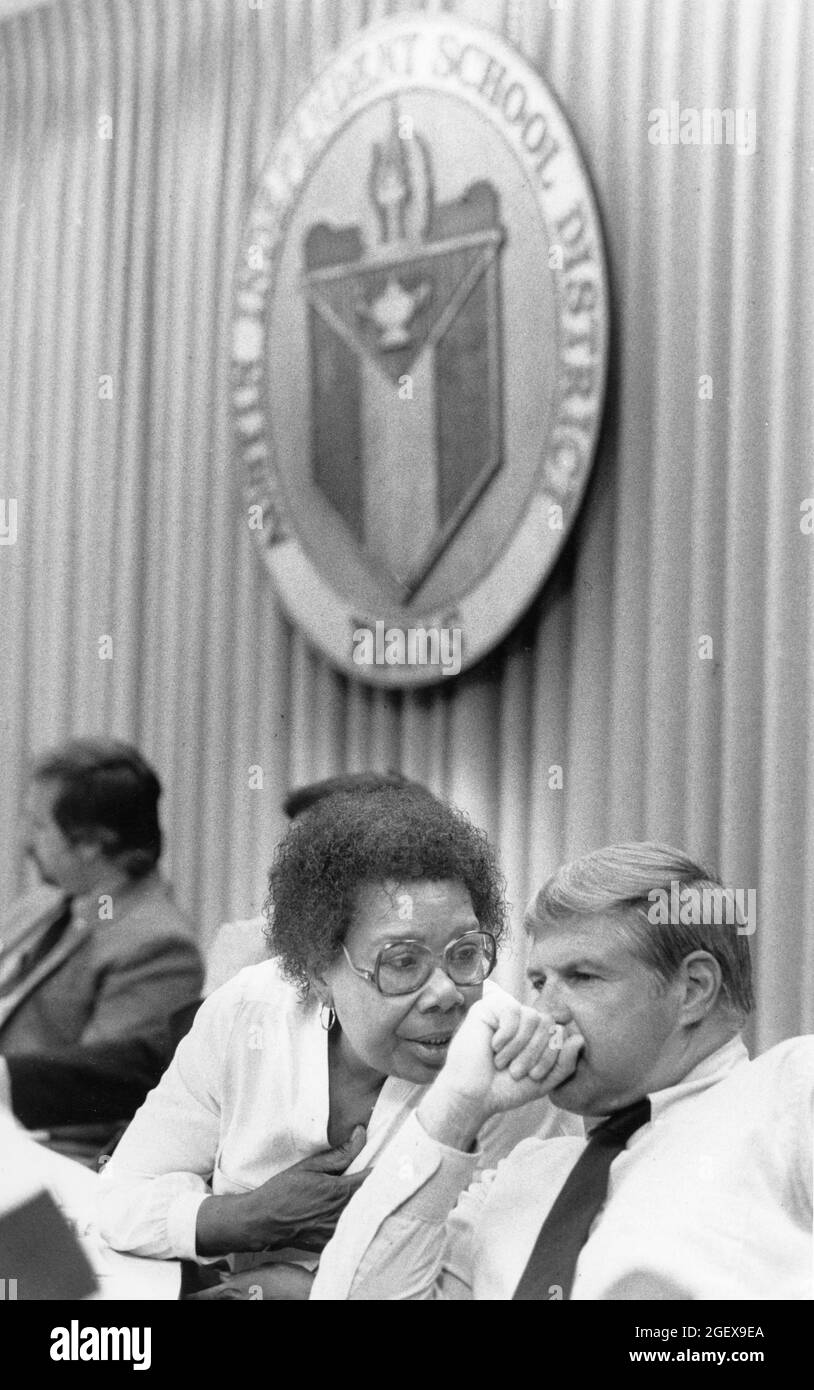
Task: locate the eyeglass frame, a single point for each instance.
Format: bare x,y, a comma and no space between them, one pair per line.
373,975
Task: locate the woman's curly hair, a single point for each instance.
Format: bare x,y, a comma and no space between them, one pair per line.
353,838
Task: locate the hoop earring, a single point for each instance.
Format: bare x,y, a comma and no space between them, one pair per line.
327,1016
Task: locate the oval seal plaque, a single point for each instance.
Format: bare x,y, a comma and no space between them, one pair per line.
419,351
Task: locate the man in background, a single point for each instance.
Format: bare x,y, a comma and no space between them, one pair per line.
100,952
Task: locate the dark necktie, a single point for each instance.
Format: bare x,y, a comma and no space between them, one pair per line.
49,940
565,1230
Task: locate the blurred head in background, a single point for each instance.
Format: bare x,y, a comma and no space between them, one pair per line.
92,809
302,798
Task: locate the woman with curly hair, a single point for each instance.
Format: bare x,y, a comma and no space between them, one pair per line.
385,910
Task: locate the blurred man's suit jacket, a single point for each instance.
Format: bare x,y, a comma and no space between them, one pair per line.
106,978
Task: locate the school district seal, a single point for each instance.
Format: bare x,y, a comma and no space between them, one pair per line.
420,344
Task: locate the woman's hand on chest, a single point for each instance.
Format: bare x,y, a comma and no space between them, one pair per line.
298,1207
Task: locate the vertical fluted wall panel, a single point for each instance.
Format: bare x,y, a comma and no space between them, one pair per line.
597,718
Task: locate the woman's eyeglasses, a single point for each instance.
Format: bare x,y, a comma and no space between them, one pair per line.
401,967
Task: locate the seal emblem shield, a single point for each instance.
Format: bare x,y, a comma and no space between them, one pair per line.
419,343
423,300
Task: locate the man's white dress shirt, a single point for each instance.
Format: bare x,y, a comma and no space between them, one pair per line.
245,1097
712,1199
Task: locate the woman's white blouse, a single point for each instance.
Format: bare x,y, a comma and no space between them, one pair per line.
245,1097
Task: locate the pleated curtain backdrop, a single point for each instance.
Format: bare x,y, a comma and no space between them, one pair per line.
116,260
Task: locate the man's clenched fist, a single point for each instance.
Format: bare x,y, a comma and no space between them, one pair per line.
505,1054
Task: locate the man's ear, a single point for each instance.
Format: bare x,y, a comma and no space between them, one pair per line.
701,978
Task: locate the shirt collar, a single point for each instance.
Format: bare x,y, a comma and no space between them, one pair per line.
709,1071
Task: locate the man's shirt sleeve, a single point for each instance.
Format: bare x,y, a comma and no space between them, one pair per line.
395,1239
